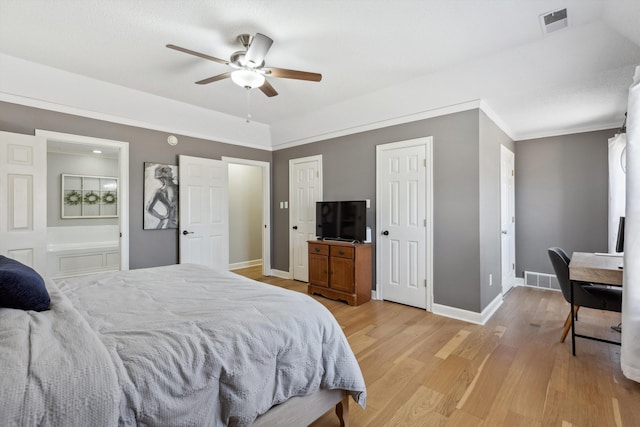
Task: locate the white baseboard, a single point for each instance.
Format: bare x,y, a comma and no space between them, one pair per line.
519,281
281,274
490,309
245,264
466,315
374,294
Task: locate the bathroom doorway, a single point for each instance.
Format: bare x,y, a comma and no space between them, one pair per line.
87,204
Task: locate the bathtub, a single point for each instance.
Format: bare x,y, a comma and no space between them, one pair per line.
79,250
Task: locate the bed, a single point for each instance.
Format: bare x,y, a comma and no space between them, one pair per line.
180,345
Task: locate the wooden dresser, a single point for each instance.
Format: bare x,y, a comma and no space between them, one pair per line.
340,270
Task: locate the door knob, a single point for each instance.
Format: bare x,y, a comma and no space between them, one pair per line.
385,233
185,232
295,227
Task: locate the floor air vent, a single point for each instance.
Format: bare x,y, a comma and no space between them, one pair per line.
541,280
554,21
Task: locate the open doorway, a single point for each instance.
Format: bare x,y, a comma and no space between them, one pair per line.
249,214
87,204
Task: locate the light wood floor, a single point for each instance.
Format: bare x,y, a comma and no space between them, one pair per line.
426,370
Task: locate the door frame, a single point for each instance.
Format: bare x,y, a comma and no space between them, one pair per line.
123,163
266,207
427,142
292,162
504,151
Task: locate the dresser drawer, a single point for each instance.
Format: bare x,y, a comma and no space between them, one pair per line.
318,249
342,251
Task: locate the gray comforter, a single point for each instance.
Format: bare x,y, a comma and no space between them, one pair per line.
180,345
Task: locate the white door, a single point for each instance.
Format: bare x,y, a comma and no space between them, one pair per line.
204,212
305,189
507,218
23,199
404,221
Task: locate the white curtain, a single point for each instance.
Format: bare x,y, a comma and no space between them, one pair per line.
630,351
617,177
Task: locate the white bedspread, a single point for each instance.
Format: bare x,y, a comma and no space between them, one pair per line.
54,371
188,346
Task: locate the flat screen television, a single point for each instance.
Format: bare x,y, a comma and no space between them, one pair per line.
620,239
344,220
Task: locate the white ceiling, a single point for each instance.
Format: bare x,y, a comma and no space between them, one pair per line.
382,61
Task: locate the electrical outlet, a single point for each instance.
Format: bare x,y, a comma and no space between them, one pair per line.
490,279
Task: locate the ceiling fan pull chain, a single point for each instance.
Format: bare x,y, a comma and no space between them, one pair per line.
248,104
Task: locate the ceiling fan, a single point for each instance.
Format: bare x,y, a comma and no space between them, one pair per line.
250,71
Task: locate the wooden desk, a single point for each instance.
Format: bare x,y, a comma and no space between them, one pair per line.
592,268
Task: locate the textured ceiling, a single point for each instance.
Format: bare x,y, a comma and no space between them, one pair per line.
379,59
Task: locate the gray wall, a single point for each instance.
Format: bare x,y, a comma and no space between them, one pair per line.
147,248
561,190
63,163
561,197
349,173
245,213
491,138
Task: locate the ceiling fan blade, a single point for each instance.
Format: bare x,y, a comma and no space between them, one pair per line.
258,49
198,54
293,74
267,89
214,79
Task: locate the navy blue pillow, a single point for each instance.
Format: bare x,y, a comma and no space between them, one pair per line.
21,287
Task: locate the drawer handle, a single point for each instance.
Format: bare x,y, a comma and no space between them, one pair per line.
317,249
341,252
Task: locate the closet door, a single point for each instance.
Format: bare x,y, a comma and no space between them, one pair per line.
405,221
204,212
23,199
305,189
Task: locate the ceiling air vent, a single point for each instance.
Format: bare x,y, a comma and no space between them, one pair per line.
554,21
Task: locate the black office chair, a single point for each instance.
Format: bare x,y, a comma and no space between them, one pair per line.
584,294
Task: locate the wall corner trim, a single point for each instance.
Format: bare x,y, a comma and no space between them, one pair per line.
469,316
485,108
382,123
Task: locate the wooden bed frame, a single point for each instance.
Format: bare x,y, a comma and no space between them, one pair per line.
303,410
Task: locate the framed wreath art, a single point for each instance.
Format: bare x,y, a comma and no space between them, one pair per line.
91,198
109,198
85,196
72,198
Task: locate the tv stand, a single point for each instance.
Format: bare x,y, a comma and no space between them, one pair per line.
340,270
339,239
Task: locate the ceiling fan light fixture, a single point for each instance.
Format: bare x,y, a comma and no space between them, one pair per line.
249,65
247,79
